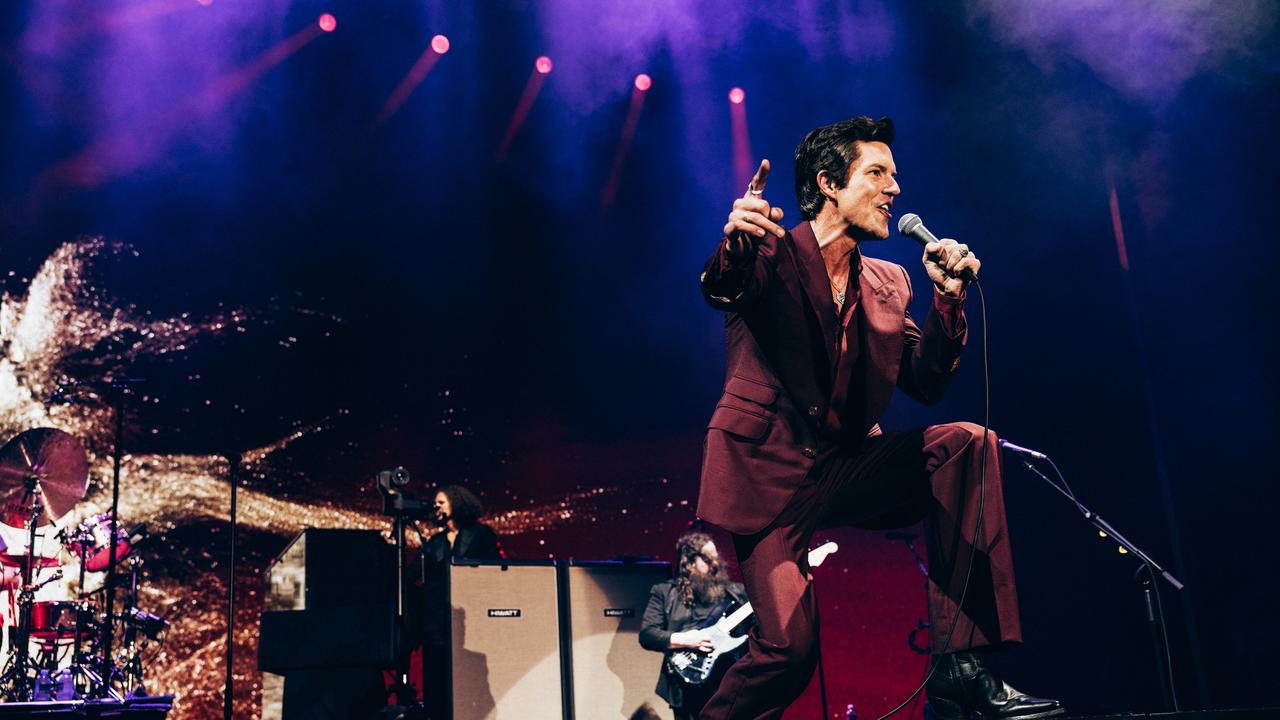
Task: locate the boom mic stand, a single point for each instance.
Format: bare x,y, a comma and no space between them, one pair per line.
121,388
1154,612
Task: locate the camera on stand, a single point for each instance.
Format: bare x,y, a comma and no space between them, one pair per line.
395,501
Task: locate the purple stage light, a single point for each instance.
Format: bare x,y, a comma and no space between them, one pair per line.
440,44
737,95
328,22
542,64
643,82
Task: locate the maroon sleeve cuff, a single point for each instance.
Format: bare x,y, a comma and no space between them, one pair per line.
951,312
732,259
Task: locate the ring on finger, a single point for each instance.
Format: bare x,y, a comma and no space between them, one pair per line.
751,188
964,253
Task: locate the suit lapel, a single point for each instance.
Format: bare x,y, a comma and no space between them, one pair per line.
817,286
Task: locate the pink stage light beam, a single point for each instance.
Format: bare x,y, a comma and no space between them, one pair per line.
232,83
108,21
412,79
541,68
118,155
609,193
1117,228
743,160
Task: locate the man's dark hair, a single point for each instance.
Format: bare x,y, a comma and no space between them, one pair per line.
693,589
833,148
465,507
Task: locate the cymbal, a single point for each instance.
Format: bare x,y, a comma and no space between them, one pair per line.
54,456
8,562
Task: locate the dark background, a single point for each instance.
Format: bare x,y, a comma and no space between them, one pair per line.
489,322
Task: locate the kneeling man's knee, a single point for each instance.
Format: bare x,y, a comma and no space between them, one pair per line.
967,432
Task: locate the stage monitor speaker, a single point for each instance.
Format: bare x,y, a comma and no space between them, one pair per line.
612,675
505,641
352,693
329,603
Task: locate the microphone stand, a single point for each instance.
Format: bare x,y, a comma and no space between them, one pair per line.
1149,567
822,671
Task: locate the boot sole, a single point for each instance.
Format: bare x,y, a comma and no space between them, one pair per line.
1030,716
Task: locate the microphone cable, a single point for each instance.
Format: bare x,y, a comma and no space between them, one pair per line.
982,504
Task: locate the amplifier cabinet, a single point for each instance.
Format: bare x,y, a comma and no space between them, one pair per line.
612,675
505,641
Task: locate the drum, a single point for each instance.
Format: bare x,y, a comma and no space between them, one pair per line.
53,619
93,542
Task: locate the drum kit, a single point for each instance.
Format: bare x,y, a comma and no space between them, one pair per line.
61,648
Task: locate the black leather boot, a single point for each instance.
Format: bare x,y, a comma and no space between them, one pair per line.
963,684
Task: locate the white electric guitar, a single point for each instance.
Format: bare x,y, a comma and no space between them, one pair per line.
695,666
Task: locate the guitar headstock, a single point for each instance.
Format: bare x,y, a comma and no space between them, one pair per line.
819,554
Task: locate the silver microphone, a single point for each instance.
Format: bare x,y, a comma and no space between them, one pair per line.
1018,449
913,227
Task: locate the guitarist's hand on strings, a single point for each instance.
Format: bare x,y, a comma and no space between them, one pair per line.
692,640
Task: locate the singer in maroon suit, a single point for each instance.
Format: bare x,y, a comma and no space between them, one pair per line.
818,337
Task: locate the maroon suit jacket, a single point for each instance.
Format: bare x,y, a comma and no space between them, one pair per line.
781,329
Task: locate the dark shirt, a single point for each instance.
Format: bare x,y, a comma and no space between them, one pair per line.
848,352
474,542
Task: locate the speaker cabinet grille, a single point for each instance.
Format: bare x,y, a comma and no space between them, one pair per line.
505,645
612,675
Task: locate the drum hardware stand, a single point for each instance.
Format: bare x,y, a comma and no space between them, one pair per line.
88,682
1148,567
93,680
132,667
17,678
140,623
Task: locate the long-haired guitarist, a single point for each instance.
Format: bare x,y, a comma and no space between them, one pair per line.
677,618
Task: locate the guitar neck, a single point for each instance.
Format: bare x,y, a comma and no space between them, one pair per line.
735,618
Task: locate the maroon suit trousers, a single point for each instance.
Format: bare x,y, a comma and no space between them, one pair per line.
893,480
